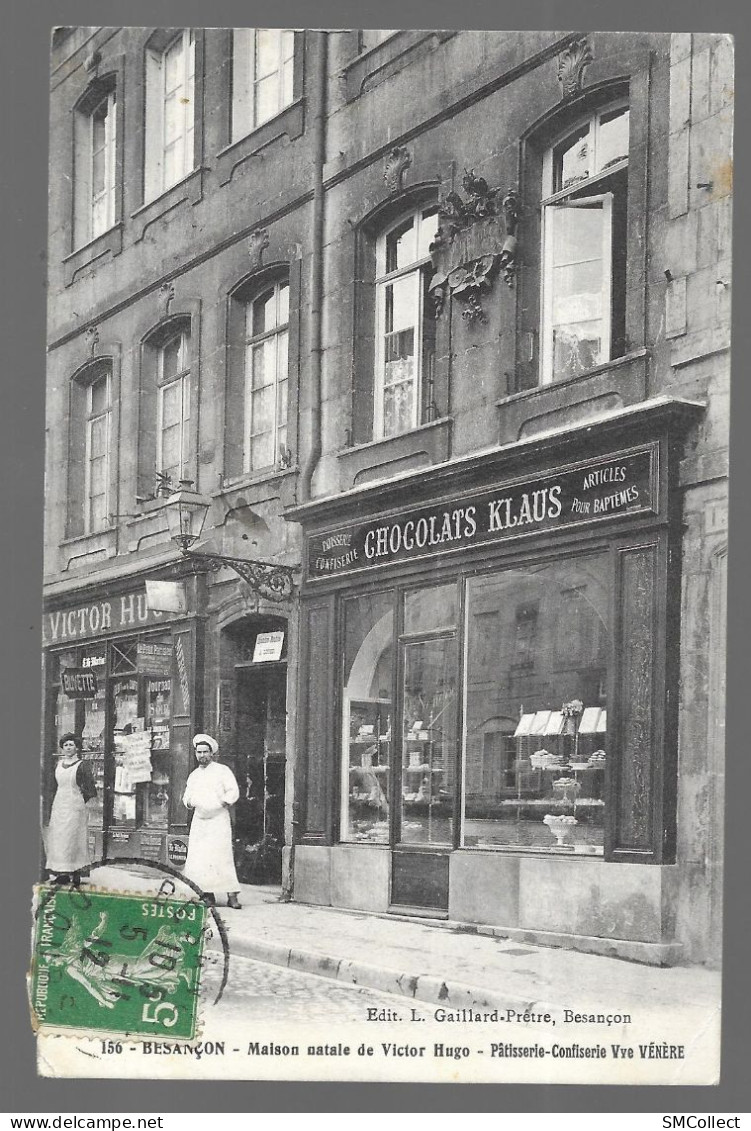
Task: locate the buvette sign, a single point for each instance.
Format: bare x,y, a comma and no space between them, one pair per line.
621,485
79,683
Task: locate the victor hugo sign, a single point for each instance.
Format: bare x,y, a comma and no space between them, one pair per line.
620,485
121,613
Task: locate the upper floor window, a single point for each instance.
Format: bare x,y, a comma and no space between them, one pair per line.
173,407
95,130
96,470
584,245
90,486
262,76
103,126
266,378
170,112
405,326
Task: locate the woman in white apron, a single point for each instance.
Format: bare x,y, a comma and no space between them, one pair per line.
210,792
68,830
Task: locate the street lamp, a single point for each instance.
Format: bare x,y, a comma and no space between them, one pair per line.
186,512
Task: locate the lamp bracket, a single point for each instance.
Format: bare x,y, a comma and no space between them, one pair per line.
268,579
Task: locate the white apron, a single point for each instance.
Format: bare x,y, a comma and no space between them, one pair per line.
210,862
68,831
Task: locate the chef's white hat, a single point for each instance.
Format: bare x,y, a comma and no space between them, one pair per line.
206,740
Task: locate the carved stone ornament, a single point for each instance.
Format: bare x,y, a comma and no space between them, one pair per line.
399,160
166,295
510,207
92,61
92,339
571,65
258,241
469,250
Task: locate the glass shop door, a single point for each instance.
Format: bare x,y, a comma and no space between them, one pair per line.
426,755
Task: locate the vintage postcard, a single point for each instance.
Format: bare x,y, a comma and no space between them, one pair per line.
385,555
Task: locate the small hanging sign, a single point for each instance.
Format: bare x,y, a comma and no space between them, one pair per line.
268,647
79,683
166,596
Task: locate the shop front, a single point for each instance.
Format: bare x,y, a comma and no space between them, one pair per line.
488,725
123,674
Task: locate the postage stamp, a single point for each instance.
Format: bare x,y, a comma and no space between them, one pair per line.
116,963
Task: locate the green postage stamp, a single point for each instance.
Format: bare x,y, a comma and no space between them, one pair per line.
116,963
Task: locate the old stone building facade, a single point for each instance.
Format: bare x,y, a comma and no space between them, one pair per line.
439,322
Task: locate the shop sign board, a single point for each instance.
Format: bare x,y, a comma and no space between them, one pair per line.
619,486
225,705
151,846
125,613
177,850
168,596
268,647
182,699
154,658
79,683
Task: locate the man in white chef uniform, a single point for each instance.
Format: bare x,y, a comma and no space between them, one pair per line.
210,791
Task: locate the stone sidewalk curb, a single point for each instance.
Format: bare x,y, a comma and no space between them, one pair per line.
417,987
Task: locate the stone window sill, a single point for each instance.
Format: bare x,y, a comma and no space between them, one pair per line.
385,59
287,123
253,479
259,487
386,457
94,539
189,189
147,507
615,384
109,242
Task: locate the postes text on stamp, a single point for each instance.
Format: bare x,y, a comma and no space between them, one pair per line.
118,963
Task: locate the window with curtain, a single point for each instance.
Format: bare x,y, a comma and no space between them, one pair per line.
405,325
584,245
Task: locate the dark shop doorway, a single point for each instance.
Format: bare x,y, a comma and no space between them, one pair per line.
260,741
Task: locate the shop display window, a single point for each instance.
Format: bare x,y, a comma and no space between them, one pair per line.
428,715
367,717
125,727
158,698
535,732
126,724
85,717
93,733
141,733
66,718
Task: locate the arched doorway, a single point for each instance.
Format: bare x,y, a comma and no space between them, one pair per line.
253,709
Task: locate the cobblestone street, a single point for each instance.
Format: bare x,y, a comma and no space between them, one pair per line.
274,993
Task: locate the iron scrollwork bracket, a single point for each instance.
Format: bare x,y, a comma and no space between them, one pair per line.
268,579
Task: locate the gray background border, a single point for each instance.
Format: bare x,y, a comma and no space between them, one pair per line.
23,179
